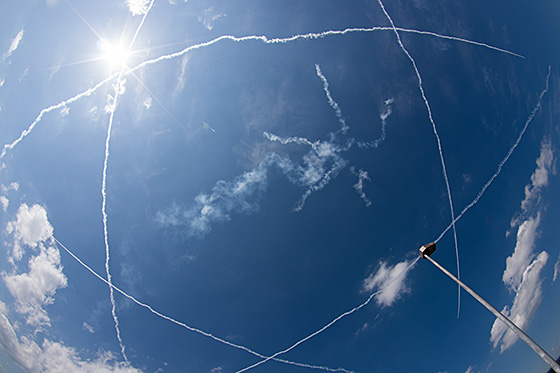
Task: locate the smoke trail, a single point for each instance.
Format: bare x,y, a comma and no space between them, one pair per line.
190,328
343,126
119,89
439,147
313,36
375,144
506,158
347,313
359,186
264,39
61,104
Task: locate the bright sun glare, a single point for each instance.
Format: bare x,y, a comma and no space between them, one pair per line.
116,55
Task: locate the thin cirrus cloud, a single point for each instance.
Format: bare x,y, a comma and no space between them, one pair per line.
522,275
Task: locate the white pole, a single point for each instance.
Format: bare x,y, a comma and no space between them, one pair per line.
538,349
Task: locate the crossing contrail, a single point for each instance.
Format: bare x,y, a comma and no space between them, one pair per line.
191,328
347,313
506,158
262,38
119,89
444,170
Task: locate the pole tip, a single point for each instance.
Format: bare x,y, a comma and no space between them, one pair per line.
427,250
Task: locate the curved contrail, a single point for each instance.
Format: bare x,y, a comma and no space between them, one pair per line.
506,158
444,170
264,39
118,88
191,328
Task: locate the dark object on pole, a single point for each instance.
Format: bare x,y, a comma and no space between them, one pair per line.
427,250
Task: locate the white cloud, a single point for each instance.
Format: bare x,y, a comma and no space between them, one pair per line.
522,254
556,269
65,111
359,186
88,327
50,356
390,280
5,202
239,195
137,7
36,288
147,103
30,227
525,305
15,44
539,180
470,369
522,273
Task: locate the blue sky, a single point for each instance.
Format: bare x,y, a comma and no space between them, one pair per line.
255,179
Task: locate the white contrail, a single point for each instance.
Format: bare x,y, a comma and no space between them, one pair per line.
343,126
119,85
347,313
266,40
312,36
60,105
439,147
375,144
190,328
506,158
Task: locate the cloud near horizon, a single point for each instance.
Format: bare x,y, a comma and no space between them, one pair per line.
35,289
522,275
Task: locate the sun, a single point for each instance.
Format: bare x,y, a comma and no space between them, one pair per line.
115,54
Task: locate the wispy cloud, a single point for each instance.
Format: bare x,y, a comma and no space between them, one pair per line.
389,280
209,17
556,269
523,266
15,44
238,196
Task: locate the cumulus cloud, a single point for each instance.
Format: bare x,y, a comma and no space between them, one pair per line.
522,254
15,44
527,300
50,356
36,288
137,7
30,228
5,202
522,275
390,280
